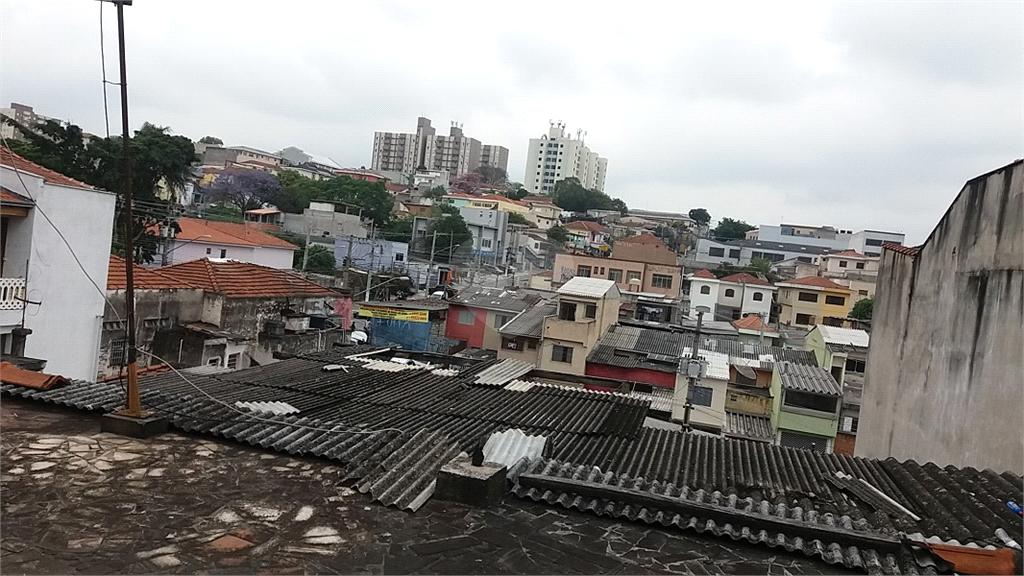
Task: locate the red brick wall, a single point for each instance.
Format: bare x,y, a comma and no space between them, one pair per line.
844,444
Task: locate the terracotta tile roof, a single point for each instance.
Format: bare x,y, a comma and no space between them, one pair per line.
741,277
704,274
11,374
12,198
817,281
538,199
901,248
501,198
143,278
244,280
847,253
752,322
8,158
391,187
585,225
228,233
645,238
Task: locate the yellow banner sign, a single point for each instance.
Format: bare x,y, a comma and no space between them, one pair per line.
394,313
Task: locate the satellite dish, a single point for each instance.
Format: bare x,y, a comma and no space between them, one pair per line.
358,337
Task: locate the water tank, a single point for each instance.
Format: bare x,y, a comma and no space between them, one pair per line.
274,327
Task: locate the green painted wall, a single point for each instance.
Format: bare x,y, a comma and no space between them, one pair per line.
808,424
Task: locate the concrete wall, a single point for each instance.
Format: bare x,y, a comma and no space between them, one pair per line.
269,256
67,321
944,367
246,316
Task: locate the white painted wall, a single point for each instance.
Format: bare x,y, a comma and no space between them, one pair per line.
67,323
697,299
270,256
751,306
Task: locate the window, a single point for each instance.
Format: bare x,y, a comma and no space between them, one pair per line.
485,242
758,296
874,242
233,360
805,319
567,311
590,311
615,275
661,281
209,251
630,276
511,344
853,365
810,401
399,257
860,265
734,253
583,271
215,361
531,344
862,293
118,353
500,320
561,354
467,318
850,424
705,289
223,253
843,263
835,300
718,252
702,396
807,297
729,293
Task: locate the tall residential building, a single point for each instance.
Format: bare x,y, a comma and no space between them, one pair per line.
455,153
555,157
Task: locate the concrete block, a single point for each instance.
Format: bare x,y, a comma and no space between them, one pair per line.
133,427
461,481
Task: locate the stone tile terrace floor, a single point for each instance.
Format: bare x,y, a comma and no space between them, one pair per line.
77,501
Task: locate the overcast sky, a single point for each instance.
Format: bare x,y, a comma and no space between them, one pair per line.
851,114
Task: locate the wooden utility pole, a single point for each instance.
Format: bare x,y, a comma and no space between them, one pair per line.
134,405
692,380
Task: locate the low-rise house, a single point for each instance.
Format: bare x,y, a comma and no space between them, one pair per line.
733,296
270,219
637,354
586,308
476,314
805,406
321,220
50,309
628,275
521,336
844,353
199,239
813,300
754,330
371,254
852,269
543,211
709,393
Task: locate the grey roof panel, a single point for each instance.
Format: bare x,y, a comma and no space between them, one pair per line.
738,424
510,446
530,322
503,372
804,378
498,299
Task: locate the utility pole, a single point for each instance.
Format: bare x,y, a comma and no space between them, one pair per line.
692,372
305,252
133,406
430,267
347,263
764,318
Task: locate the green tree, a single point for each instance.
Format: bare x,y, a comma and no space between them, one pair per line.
451,233
761,266
492,175
517,218
517,191
700,215
211,140
571,195
373,197
558,233
296,192
862,309
435,193
729,229
320,259
398,230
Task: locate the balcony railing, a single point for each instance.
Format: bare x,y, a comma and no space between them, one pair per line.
12,293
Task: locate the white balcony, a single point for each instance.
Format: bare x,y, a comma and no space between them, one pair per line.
12,300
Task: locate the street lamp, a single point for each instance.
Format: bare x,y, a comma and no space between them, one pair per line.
163,258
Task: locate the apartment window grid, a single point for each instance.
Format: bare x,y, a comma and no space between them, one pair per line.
661,281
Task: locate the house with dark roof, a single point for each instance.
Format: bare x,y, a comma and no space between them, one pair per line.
521,336
476,315
215,313
244,242
805,406
55,236
812,300
943,379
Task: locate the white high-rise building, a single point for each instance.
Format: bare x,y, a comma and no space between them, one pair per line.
555,157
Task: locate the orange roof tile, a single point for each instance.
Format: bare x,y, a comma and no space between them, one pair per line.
752,322
645,238
244,280
909,251
11,374
142,278
228,233
847,253
704,274
817,281
8,158
586,225
743,277
11,198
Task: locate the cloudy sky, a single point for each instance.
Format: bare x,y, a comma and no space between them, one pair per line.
852,114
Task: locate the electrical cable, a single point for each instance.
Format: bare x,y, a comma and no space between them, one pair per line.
103,64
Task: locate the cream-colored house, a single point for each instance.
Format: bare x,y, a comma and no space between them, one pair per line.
854,270
813,300
586,307
709,393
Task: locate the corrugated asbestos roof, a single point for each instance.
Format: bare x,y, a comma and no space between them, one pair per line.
844,336
587,287
504,372
497,299
511,446
803,378
749,426
530,322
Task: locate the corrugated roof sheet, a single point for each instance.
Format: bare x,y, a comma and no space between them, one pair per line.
587,287
804,378
510,446
529,322
844,336
740,425
503,372
497,299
